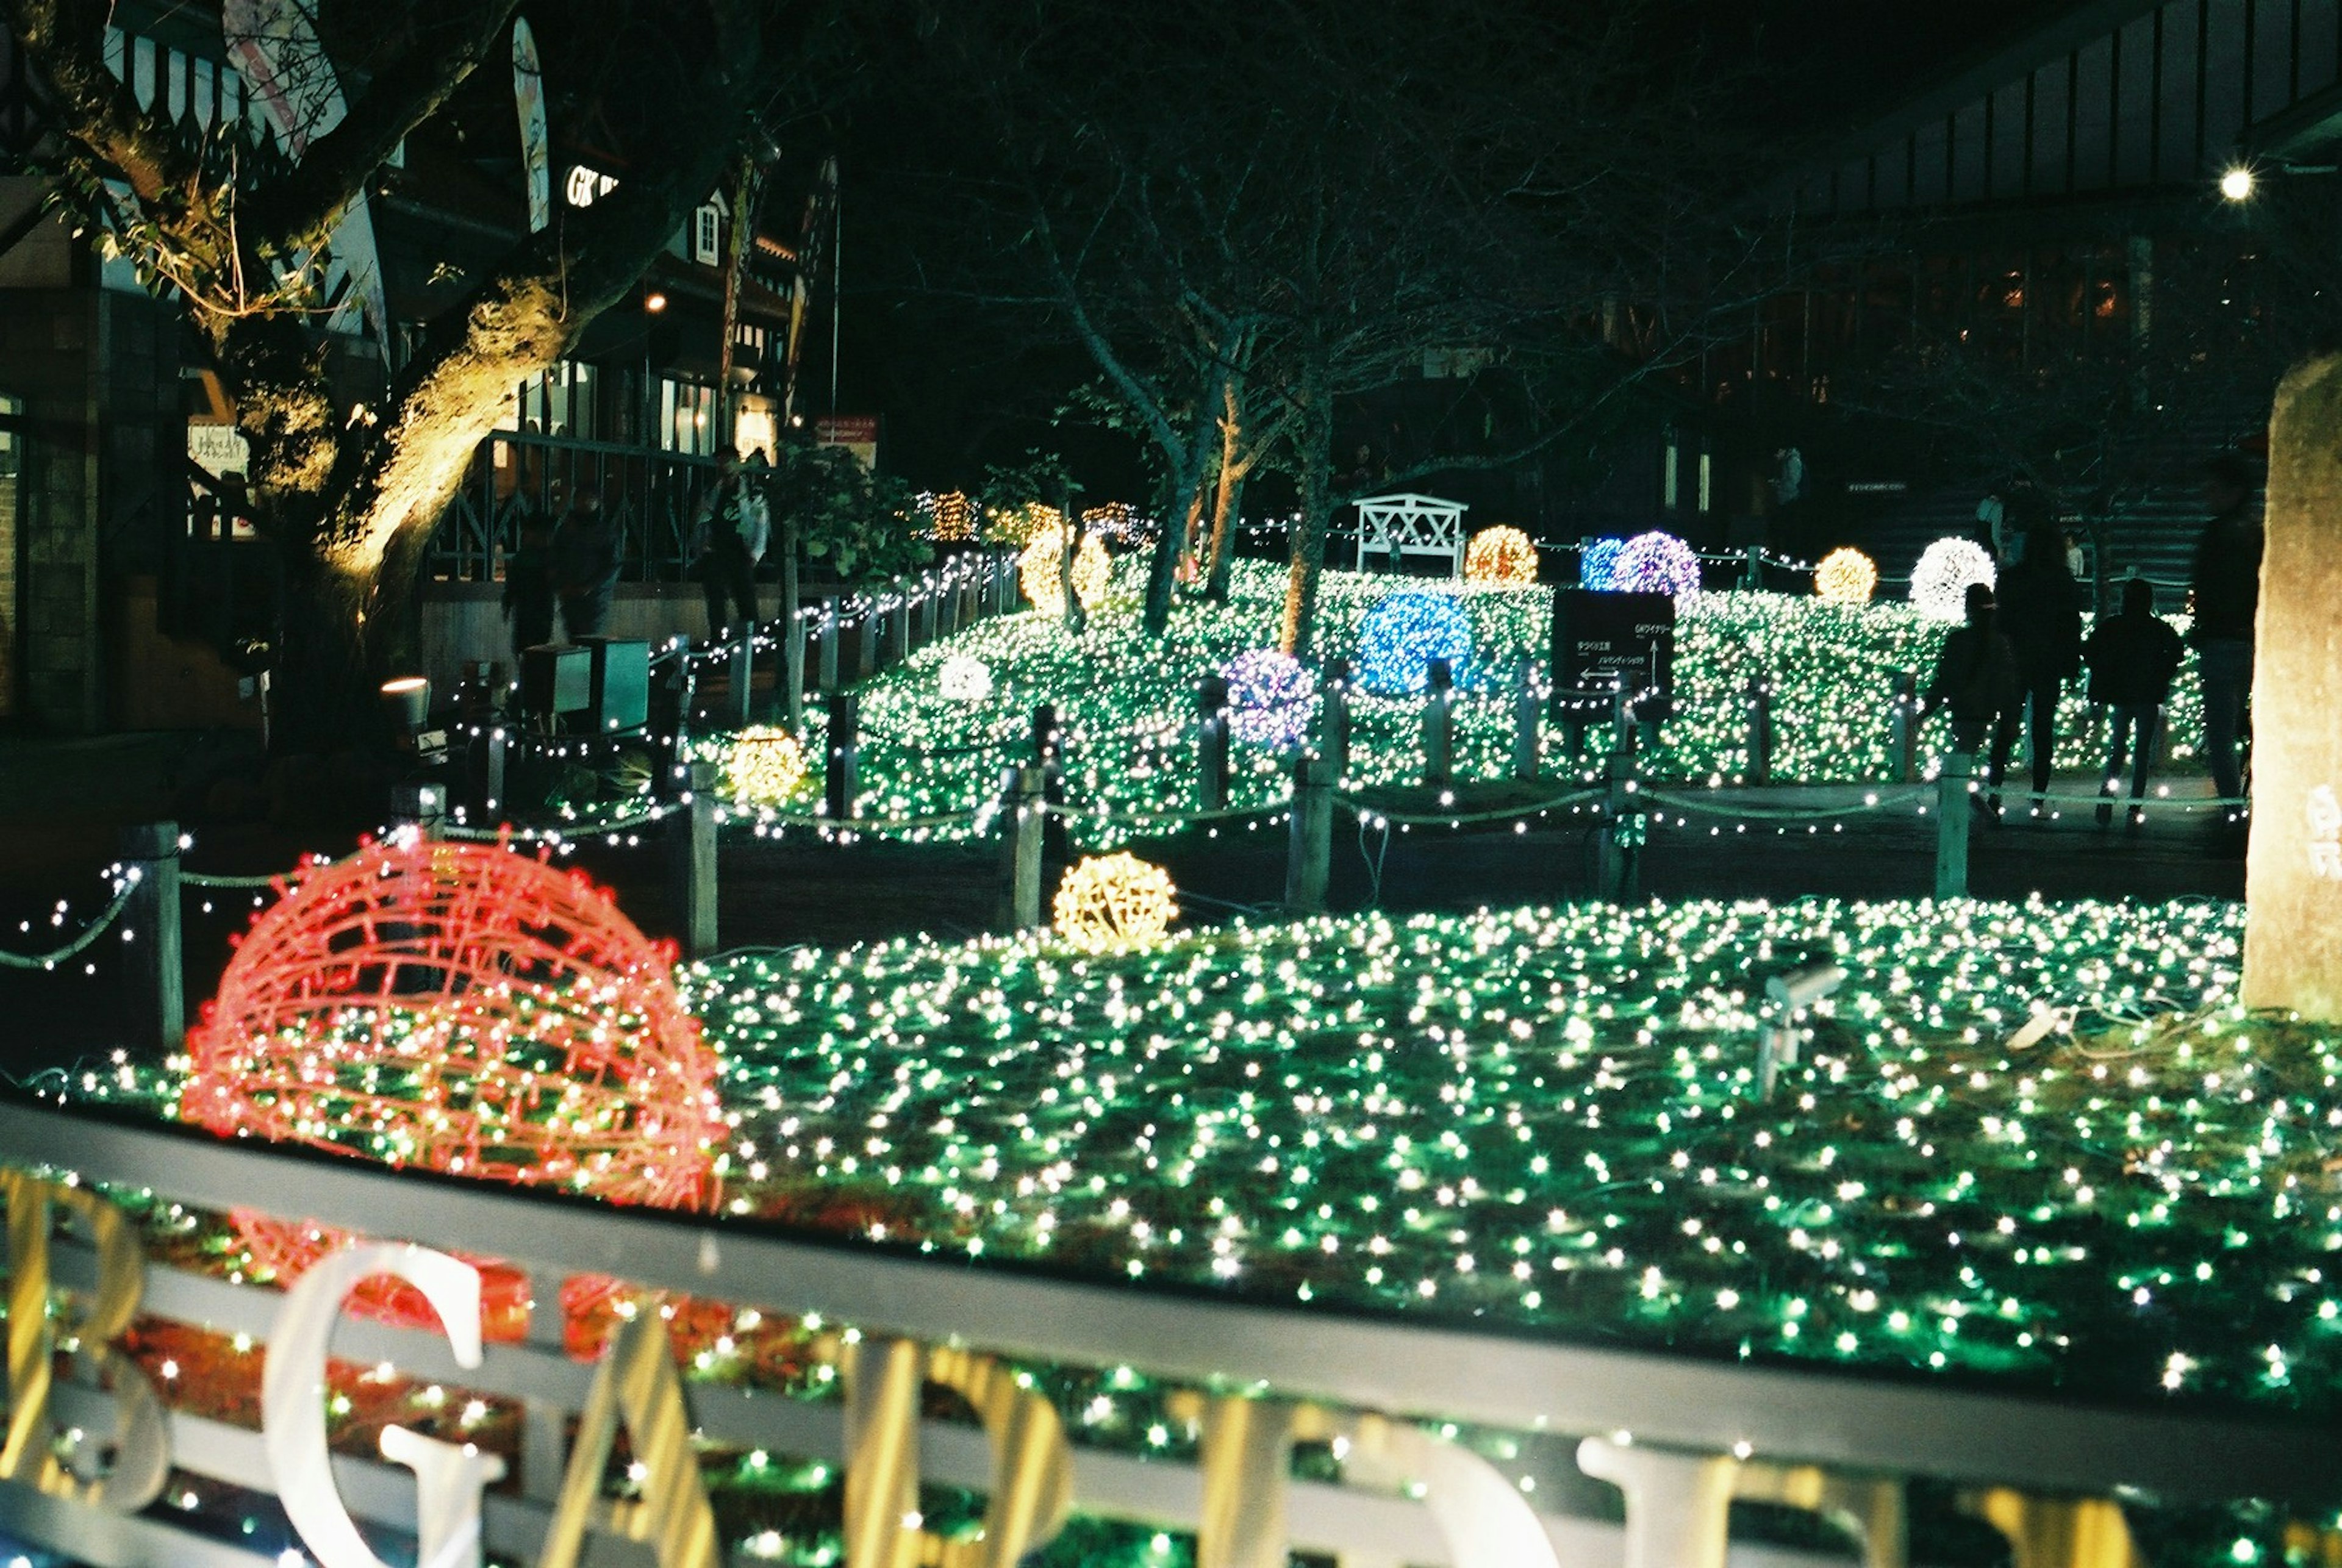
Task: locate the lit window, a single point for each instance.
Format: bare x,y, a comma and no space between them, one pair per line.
706,230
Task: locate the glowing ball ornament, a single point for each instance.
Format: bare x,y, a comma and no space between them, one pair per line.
1501,556
1109,902
1597,558
1845,576
965,679
460,1008
1655,563
1270,695
1939,583
1040,572
766,766
1402,633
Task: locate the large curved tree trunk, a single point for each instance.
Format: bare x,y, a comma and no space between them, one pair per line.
1314,454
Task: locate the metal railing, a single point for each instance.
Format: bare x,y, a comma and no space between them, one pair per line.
1688,1415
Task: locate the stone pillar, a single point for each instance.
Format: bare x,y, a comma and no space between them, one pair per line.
2293,870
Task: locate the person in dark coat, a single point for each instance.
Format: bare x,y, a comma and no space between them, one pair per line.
1975,674
2225,600
529,586
2132,659
585,564
2040,608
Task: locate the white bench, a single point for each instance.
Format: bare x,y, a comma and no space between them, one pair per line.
1413,525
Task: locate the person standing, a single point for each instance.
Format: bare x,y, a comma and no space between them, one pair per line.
734,524
2041,610
2132,659
1975,674
585,564
2226,598
529,586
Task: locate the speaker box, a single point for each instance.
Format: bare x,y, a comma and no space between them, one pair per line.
621,683
555,678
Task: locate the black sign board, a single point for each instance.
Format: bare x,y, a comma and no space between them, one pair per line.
1597,633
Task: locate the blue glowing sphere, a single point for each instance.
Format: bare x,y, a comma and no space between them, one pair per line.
1402,633
1595,560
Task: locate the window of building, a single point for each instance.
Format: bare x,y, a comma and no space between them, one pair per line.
706,235
686,419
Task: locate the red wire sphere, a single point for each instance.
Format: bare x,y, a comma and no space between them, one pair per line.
457,1007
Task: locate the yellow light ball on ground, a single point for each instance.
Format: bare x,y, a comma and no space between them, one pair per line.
1845,576
1040,572
1114,900
1501,557
766,766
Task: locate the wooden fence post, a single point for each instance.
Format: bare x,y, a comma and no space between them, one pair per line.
694,849
1528,716
930,604
828,662
1309,855
1902,727
898,631
1620,836
1759,695
843,759
866,646
744,675
1334,717
1025,807
150,858
1439,725
793,670
1212,743
1952,825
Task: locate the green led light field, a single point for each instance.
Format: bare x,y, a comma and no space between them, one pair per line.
1544,1120
1127,703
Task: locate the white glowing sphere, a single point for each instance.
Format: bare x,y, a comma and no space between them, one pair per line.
1939,583
965,679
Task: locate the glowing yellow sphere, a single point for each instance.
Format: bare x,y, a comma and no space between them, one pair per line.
1502,556
1113,901
766,766
1845,576
1040,572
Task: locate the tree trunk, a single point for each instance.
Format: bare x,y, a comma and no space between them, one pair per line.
1077,618
1181,501
1309,539
1228,510
326,671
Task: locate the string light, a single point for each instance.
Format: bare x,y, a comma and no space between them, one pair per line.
1502,556
1115,901
1040,572
1845,576
1939,583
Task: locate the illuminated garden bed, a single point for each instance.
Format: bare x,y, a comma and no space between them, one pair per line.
934,742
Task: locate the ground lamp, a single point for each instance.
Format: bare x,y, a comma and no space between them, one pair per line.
408,701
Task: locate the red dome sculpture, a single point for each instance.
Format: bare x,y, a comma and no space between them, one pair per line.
460,1008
